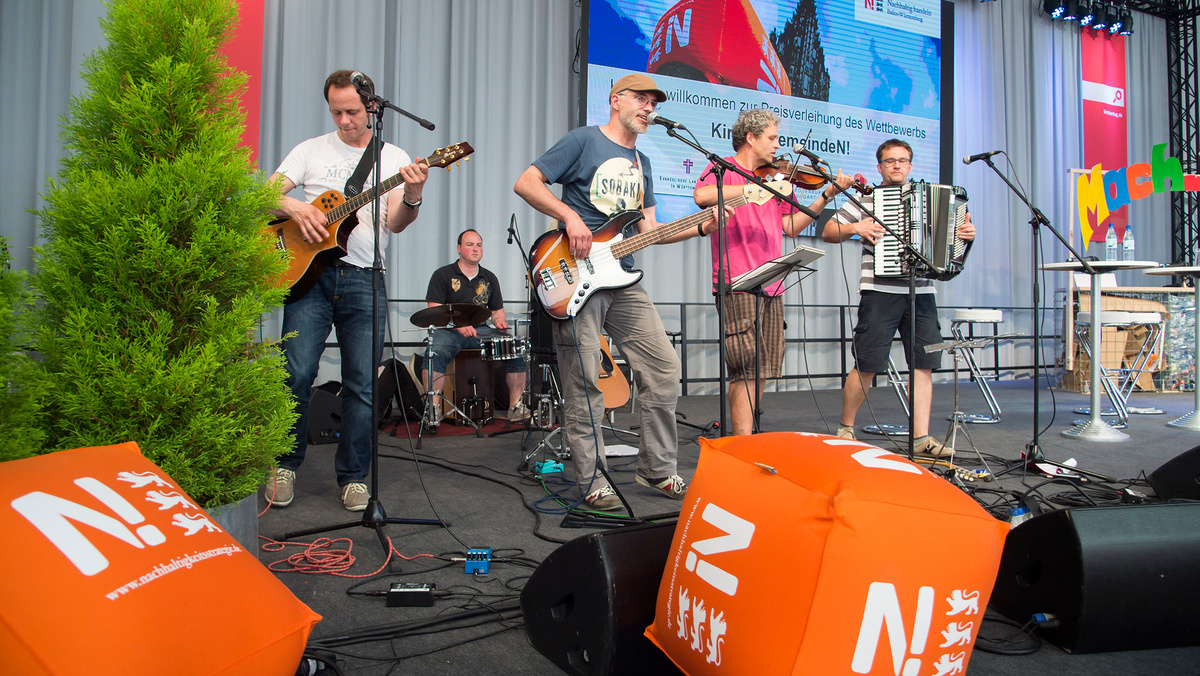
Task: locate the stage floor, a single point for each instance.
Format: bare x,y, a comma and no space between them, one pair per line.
477,486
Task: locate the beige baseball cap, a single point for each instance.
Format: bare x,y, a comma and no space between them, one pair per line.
638,82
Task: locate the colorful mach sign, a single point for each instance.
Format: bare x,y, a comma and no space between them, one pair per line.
1105,124
1103,192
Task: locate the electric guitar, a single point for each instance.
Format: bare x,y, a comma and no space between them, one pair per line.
564,284
305,263
611,380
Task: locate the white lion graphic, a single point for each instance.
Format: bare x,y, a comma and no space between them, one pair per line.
699,614
962,602
142,479
957,633
681,616
169,500
716,639
947,665
192,523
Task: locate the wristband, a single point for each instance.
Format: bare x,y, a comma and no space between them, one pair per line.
700,229
411,205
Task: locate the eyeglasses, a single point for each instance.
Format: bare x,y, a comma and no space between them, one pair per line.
642,99
893,161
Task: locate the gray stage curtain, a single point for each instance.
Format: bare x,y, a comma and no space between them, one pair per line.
501,74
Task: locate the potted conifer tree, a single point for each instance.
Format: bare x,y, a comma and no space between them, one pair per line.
157,268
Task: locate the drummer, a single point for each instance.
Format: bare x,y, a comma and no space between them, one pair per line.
466,281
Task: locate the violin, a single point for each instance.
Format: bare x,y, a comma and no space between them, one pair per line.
804,177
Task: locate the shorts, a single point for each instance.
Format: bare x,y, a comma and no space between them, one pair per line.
880,316
741,310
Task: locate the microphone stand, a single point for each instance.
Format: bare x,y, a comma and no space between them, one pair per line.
1033,450
374,516
719,166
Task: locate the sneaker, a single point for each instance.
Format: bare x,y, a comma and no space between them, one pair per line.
518,412
672,487
603,499
846,432
354,496
930,447
281,487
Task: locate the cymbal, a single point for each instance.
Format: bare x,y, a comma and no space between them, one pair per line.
458,314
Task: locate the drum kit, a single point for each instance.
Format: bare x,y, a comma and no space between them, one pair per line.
493,348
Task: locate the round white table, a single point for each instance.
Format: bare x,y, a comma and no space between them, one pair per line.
1190,421
1095,429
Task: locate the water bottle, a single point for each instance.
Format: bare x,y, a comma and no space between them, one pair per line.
1110,244
1127,243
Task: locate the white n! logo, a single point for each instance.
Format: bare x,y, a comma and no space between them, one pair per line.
883,610
681,31
738,532
52,516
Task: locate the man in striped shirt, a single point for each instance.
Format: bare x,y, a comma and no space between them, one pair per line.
883,309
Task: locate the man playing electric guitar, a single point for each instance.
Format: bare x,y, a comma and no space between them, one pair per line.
342,295
602,173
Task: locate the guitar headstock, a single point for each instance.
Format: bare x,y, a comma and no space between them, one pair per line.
757,195
444,157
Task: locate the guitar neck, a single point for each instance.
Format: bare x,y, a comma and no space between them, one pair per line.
636,243
360,200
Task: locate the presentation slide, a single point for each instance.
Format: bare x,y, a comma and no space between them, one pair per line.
845,74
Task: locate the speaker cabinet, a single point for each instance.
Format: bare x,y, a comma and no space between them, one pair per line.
1179,478
588,603
325,413
1117,578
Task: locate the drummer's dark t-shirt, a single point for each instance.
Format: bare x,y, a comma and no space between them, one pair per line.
449,285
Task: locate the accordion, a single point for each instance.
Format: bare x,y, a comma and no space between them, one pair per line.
929,216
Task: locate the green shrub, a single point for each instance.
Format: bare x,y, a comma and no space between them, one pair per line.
20,436
157,268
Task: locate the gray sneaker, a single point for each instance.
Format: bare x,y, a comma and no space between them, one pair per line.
672,486
931,448
354,496
281,487
603,499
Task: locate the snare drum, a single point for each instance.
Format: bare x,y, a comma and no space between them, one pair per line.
504,348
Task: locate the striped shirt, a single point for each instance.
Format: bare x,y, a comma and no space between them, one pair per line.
850,213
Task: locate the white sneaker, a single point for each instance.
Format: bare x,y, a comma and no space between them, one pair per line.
281,487
354,497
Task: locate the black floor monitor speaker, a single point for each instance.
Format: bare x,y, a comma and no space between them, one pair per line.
1116,578
588,603
1179,478
325,413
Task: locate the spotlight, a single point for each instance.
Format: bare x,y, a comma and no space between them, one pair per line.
1113,18
1099,17
1071,13
1054,8
1126,22
1085,13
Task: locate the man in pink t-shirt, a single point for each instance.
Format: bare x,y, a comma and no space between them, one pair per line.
754,236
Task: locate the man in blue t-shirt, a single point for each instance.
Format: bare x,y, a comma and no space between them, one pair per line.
602,173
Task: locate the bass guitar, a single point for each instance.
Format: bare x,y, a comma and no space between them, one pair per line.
305,263
563,283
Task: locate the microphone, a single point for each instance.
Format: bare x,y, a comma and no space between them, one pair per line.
360,81
512,224
981,156
655,118
802,150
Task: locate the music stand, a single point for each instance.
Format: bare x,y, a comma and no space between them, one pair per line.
774,270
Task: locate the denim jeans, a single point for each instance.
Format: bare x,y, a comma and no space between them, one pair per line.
340,299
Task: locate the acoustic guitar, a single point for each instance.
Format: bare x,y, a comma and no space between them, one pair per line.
612,380
305,261
563,283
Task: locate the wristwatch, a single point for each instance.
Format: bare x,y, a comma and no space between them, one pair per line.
411,205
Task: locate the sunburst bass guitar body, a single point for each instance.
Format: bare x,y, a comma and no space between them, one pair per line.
563,284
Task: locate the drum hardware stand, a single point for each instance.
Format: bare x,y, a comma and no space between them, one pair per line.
546,417
430,321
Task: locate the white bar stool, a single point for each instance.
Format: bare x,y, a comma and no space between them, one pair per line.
1148,358
958,327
